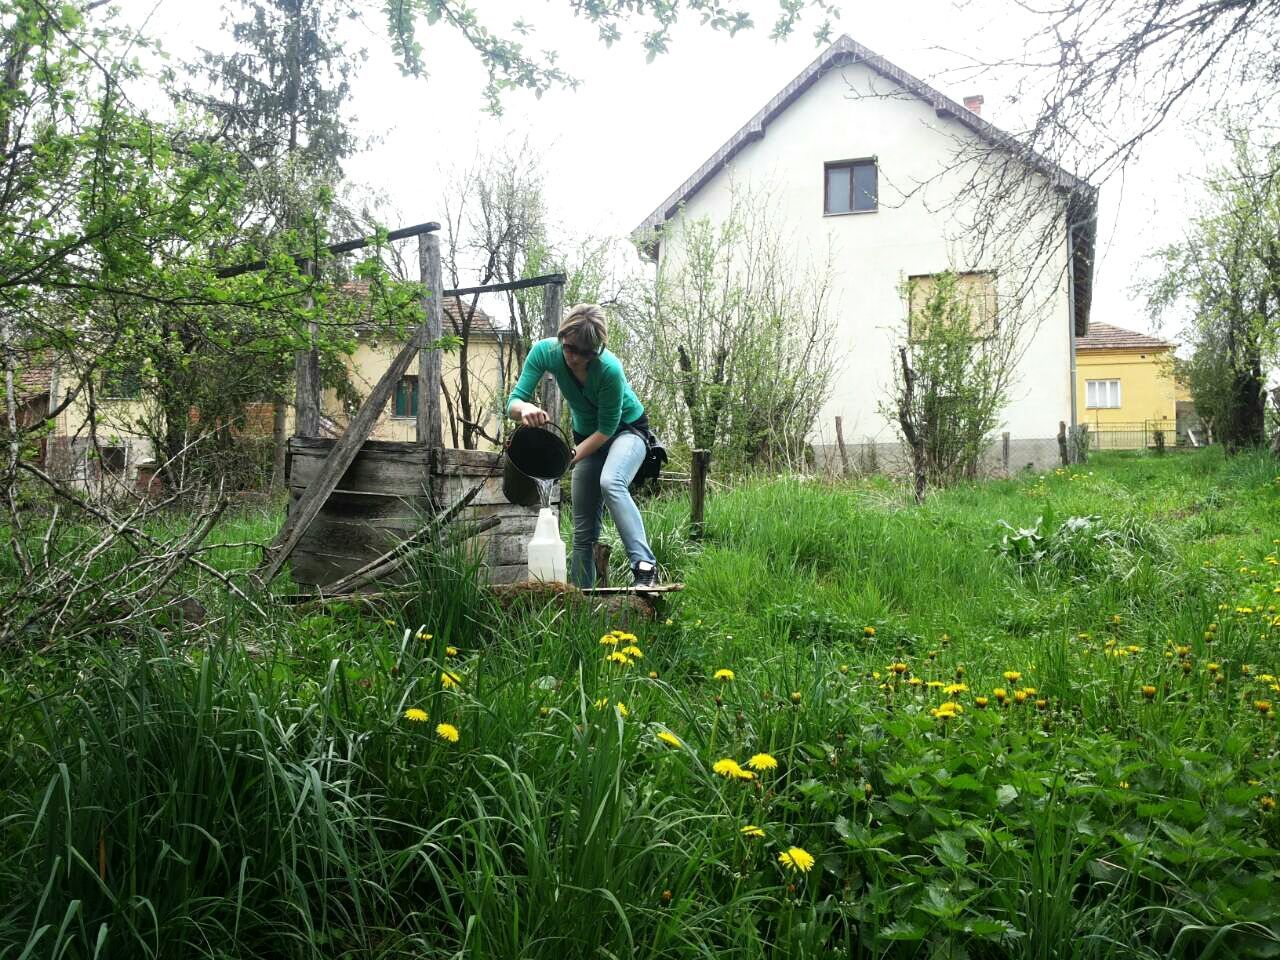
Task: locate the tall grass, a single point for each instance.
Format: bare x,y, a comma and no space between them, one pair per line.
262,792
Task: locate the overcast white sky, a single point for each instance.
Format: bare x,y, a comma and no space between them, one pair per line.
633,131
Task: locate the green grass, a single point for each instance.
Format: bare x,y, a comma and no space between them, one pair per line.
260,793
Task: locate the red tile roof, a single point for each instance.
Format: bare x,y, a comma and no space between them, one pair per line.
1103,336
454,312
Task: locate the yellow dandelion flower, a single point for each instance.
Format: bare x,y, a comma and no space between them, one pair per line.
449,651
608,640
1213,667
1029,691
622,710
1267,803
935,684
952,689
1000,693
447,732
1123,784
416,715
981,702
423,636
450,680
670,739
1012,676
726,767
762,762
868,631
915,682
1020,696
899,668
751,831
797,859
633,652
1262,706
1148,691
724,675
601,703
947,711
619,658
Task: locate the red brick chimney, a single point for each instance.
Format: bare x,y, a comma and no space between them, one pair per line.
973,103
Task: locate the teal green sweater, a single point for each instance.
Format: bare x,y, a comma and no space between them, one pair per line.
601,405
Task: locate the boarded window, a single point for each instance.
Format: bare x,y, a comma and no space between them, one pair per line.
112,459
850,187
1102,394
407,397
977,288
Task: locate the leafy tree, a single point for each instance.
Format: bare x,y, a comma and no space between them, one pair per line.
1226,272
952,372
734,348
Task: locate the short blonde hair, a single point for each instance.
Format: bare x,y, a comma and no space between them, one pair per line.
584,324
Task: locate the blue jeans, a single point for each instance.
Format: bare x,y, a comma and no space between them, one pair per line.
600,479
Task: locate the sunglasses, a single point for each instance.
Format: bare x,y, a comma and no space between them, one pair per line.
573,351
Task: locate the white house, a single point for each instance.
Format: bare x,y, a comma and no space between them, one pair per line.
868,164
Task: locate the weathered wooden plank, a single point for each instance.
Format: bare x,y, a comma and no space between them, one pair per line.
353,539
361,505
448,488
388,471
451,458
318,569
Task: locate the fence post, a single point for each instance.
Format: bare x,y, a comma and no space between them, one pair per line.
698,492
1062,443
430,429
306,373
844,457
1004,451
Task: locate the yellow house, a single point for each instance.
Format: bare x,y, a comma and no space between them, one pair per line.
122,403
1125,389
491,360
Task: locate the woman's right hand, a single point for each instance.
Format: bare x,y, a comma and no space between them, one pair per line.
533,416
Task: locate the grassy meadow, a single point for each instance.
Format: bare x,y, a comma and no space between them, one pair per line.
1032,718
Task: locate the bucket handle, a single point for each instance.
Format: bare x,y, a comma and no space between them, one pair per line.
554,426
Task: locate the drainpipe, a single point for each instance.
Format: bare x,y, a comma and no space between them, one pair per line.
1071,307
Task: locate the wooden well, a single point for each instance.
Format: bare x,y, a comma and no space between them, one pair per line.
388,492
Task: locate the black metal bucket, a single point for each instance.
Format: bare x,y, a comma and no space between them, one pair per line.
532,454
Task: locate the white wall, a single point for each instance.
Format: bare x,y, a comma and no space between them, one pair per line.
913,232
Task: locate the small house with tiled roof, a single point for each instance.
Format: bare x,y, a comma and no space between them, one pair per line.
870,169
1125,383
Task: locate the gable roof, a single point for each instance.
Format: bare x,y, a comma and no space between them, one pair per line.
845,51
1103,336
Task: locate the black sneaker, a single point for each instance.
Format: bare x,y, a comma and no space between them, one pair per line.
645,574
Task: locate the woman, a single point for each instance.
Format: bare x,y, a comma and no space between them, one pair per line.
609,428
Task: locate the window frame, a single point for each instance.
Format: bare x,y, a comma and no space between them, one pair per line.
1103,406
990,325
830,165
412,395
106,453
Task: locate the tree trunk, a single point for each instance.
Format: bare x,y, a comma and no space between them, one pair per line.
279,441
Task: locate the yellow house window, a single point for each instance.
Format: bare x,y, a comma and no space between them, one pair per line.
407,397
1102,394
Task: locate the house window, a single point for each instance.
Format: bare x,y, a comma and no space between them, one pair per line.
112,460
850,187
1102,394
407,397
976,288
123,384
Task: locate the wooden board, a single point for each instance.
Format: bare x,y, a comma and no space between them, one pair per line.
656,588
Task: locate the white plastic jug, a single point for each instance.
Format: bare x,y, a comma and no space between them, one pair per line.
546,549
